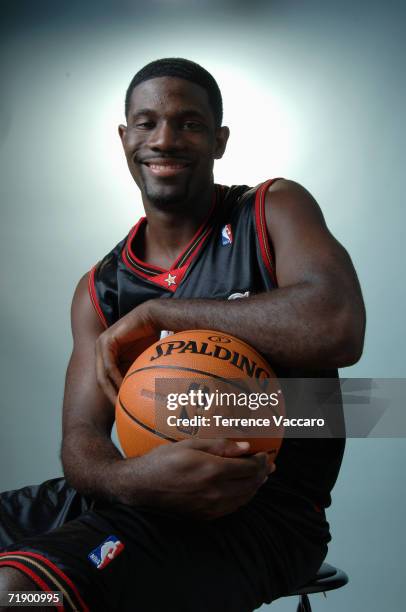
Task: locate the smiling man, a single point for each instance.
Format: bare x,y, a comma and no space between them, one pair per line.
199,525
158,108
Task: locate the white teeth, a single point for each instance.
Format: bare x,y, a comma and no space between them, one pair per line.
166,166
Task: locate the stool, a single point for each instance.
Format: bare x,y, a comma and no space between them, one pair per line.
327,578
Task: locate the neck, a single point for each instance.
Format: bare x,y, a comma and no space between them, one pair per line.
168,232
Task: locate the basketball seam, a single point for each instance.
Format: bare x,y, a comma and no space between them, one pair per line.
143,425
184,369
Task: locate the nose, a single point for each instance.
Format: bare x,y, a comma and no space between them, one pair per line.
164,137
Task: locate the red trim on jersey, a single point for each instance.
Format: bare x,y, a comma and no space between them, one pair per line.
156,274
57,571
93,296
34,577
171,279
196,244
191,246
128,247
260,222
133,268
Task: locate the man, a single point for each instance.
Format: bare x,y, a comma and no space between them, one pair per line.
200,525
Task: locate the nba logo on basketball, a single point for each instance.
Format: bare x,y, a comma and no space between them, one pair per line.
226,235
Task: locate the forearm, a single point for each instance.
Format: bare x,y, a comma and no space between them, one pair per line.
93,465
296,326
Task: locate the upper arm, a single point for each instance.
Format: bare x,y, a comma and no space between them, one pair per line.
307,254
84,401
304,248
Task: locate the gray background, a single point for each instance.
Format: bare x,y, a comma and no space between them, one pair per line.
313,91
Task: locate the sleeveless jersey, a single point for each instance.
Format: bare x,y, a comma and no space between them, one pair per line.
230,256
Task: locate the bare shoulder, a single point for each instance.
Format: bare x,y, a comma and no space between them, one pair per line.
289,189
296,225
85,321
286,198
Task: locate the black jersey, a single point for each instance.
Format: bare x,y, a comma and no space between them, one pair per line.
230,256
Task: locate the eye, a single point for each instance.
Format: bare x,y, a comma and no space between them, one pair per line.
145,125
193,126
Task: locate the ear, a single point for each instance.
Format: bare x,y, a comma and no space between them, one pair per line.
122,132
222,135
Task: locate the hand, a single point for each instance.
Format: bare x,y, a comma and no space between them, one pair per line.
205,479
120,344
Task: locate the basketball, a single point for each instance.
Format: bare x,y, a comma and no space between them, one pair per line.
204,365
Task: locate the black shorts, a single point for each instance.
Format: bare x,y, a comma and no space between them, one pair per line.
114,557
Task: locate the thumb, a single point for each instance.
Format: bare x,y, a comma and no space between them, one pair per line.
218,446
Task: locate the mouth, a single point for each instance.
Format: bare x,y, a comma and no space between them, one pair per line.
166,167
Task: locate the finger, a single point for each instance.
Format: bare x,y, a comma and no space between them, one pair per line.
104,383
271,467
230,466
110,363
107,354
243,487
218,446
234,448
234,468
264,461
132,327
102,379
112,343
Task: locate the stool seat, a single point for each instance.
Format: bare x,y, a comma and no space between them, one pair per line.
327,578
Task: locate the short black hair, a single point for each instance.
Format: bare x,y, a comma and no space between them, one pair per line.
183,69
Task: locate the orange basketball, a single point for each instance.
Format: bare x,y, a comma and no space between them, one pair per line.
199,383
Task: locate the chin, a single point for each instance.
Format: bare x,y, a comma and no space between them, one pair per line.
165,197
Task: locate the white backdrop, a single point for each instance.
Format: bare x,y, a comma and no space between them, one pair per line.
313,92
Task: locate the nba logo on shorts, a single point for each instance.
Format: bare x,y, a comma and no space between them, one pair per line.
226,235
106,552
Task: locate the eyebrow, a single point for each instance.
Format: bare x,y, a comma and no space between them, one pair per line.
142,111
185,112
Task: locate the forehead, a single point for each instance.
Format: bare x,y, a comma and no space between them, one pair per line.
169,94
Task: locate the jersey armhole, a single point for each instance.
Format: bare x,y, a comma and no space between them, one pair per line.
93,296
262,232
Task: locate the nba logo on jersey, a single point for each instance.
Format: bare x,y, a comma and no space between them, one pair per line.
226,235
106,552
